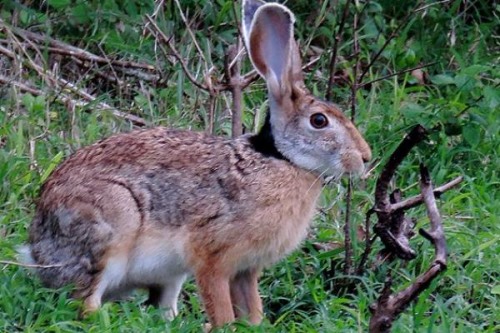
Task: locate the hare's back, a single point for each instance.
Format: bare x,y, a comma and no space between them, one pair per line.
172,175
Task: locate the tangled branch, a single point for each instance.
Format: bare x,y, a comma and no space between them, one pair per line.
395,231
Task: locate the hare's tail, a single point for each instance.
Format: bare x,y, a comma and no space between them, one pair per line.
24,255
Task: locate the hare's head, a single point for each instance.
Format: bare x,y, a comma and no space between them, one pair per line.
311,133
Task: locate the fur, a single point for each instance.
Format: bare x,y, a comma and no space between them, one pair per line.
148,208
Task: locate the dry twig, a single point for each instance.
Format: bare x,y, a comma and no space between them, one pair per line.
64,98
57,46
15,263
157,32
388,305
397,246
333,59
233,77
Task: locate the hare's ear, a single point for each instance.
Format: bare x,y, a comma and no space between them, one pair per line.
271,45
249,8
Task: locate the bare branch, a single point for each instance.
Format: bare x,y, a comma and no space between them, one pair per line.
59,47
355,81
193,38
397,73
389,306
418,199
7,52
436,234
15,263
333,59
20,85
347,231
136,120
368,243
394,33
382,201
416,135
156,31
233,79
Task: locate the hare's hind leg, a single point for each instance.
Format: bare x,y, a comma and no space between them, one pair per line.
245,296
108,280
166,295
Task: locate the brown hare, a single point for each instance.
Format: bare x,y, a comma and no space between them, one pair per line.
148,208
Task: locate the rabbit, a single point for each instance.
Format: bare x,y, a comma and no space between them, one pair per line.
148,208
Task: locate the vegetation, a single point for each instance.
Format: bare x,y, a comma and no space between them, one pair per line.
53,102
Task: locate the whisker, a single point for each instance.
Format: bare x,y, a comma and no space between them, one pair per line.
315,180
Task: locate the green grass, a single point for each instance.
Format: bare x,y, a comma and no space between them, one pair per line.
300,293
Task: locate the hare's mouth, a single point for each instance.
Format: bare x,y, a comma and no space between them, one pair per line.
329,178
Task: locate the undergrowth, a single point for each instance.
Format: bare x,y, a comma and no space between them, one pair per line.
457,95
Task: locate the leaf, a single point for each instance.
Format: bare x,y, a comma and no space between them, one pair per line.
58,4
331,253
412,110
442,79
496,290
52,165
472,134
81,13
475,69
480,248
492,97
28,100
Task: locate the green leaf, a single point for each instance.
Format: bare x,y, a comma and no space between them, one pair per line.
492,97
58,4
496,290
475,69
472,134
28,100
442,79
52,165
480,248
81,13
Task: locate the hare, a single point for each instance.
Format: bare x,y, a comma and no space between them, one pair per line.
148,208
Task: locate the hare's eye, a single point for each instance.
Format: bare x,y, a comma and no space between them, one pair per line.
319,120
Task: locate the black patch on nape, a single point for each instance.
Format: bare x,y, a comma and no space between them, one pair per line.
263,142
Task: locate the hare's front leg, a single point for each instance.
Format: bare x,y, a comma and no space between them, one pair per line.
214,289
245,295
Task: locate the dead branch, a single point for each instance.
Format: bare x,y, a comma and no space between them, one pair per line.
368,244
233,78
65,99
24,87
382,200
333,58
193,38
7,52
393,34
397,73
156,32
388,305
402,205
57,46
347,232
436,234
15,263
418,199
348,264
62,85
357,67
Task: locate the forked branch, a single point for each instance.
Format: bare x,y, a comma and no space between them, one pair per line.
396,244
389,305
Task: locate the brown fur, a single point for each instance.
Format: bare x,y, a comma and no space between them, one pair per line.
144,209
